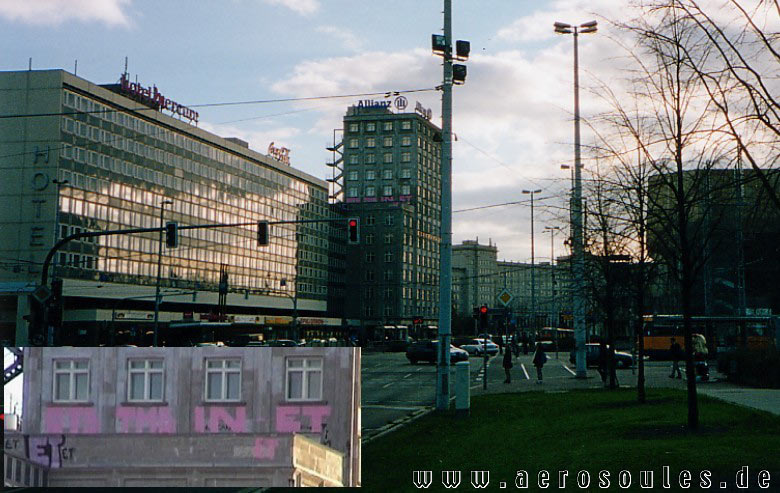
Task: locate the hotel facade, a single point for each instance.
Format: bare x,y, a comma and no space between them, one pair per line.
80,157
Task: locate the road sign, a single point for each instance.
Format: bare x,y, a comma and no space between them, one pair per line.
505,297
41,294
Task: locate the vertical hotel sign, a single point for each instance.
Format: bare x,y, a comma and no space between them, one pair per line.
152,97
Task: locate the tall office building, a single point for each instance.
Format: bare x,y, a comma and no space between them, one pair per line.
392,183
81,157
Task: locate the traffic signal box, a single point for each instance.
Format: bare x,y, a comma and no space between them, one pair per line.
353,231
483,317
262,233
171,234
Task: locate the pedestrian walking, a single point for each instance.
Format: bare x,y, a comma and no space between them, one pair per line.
540,358
508,365
676,353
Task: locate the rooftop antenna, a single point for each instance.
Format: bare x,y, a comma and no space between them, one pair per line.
29,64
125,64
76,67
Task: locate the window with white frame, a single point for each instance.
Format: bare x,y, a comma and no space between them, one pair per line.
370,191
370,174
405,190
352,192
406,140
352,175
146,380
388,126
370,158
406,157
387,174
387,142
370,127
353,143
388,158
223,379
304,379
370,142
406,173
71,381
387,191
406,125
353,127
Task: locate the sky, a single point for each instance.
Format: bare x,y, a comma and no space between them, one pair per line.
512,119
12,393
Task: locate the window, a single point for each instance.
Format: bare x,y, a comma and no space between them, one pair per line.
353,159
353,127
388,256
71,381
370,142
406,173
353,143
406,140
370,158
406,157
406,125
388,238
387,191
389,220
352,192
352,175
371,127
369,257
406,190
304,379
146,380
388,157
370,220
370,174
369,238
223,379
388,275
370,191
387,174
387,126
369,275
388,142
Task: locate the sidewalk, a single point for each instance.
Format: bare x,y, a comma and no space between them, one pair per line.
558,376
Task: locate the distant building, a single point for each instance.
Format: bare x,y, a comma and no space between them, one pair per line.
392,183
188,417
80,157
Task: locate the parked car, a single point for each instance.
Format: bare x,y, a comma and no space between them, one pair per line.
593,353
476,347
282,343
427,351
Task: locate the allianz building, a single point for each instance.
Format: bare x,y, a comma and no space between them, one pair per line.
76,157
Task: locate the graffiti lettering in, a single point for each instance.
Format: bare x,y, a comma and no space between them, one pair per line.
71,419
43,450
293,419
220,419
145,419
265,448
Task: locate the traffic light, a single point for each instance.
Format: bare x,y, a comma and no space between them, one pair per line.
438,43
417,321
462,49
55,304
353,231
458,74
172,234
262,233
483,317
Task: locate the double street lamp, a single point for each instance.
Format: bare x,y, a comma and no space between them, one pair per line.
576,209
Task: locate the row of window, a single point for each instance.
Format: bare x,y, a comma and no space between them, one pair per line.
370,257
146,380
370,142
385,126
370,191
387,158
371,174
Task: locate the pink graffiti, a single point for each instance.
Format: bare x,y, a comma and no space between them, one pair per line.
292,419
265,448
220,419
145,419
71,419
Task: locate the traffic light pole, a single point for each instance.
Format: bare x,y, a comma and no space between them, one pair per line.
445,276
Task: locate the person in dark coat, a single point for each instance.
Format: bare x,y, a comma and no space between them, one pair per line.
676,353
508,365
540,358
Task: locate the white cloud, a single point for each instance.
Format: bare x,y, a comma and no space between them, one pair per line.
303,7
346,37
54,12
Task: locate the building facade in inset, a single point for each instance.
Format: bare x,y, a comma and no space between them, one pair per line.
189,417
81,157
392,183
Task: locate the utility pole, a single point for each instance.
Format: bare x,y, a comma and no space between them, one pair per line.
159,273
445,277
533,263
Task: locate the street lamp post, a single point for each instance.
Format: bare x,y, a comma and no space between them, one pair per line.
49,328
294,298
533,263
553,308
159,273
576,214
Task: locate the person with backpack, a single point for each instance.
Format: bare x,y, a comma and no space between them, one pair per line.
540,358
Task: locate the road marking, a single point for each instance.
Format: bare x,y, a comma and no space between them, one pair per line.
407,375
525,372
568,369
387,385
399,408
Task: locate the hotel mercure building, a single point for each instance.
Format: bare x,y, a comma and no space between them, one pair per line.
76,157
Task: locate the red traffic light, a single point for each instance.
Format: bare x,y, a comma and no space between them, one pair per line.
352,223
483,309
353,233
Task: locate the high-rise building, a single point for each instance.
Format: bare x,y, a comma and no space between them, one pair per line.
79,157
187,417
392,183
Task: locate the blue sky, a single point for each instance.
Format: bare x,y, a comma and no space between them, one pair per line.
512,119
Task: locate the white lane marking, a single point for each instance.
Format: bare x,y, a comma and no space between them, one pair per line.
407,375
568,369
399,408
387,385
525,372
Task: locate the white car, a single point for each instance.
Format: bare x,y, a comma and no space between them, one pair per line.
477,348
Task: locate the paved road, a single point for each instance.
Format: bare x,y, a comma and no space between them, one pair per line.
395,391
